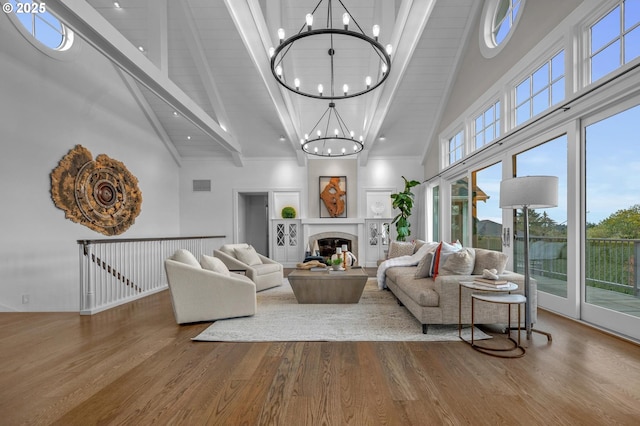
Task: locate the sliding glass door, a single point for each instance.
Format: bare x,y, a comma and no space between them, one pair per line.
548,252
611,266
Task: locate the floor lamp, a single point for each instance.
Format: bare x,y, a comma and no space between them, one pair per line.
529,192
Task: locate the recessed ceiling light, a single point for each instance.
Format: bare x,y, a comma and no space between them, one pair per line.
223,127
117,5
188,138
175,113
141,48
383,138
282,138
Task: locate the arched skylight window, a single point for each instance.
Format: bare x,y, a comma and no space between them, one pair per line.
499,18
41,24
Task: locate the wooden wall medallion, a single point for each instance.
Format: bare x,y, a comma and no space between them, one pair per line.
102,194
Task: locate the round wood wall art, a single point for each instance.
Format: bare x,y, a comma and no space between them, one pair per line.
102,194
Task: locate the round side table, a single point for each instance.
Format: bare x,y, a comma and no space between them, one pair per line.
501,296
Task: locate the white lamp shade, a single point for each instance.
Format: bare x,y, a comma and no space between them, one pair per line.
533,192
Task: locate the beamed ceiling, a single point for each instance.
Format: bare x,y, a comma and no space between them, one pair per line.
208,61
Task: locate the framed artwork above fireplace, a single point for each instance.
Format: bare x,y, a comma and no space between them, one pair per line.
333,196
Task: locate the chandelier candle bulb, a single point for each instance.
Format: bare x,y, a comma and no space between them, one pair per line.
345,89
320,89
344,150
271,52
345,21
281,34
296,83
389,49
367,81
279,71
309,19
376,32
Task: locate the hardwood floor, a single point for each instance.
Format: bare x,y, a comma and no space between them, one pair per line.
134,365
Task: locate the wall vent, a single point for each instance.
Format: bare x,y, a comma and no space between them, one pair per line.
202,185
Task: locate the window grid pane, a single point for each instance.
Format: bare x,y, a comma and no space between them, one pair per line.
614,39
541,90
487,126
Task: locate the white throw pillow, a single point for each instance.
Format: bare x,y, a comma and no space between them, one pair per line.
214,264
248,255
186,257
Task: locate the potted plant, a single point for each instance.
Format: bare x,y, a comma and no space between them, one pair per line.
288,212
403,201
336,264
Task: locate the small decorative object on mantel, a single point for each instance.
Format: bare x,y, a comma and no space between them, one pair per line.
101,195
333,194
288,212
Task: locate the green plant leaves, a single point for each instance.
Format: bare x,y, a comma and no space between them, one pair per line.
403,201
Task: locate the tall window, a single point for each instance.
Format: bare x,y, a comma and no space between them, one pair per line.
540,90
615,39
456,147
41,24
487,126
485,207
460,210
547,227
504,19
612,228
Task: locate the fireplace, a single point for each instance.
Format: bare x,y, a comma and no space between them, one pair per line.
328,241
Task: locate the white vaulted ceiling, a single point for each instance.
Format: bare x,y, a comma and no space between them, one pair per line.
208,61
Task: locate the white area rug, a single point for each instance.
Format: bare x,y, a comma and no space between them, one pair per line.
377,317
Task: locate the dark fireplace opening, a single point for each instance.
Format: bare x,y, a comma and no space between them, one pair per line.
328,246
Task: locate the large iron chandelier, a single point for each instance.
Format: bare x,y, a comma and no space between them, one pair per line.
338,42
326,140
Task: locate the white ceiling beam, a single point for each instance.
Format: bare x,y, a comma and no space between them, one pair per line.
87,23
150,114
410,23
250,23
196,50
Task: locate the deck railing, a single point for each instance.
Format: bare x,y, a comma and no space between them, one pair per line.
611,263
117,271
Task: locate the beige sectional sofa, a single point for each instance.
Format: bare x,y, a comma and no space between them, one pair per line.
436,300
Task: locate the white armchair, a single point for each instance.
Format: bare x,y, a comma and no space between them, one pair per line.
199,294
264,272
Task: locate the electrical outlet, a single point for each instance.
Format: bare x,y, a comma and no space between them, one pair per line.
25,299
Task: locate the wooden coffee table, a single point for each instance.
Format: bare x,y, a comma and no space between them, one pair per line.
326,287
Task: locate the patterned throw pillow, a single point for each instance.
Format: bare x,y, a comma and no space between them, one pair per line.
400,248
459,263
489,259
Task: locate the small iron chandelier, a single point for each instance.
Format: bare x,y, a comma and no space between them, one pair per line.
300,44
326,140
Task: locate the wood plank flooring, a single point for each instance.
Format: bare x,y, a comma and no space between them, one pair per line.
134,365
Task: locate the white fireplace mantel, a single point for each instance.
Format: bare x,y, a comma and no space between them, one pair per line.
332,221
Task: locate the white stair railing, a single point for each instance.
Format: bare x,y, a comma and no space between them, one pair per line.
118,271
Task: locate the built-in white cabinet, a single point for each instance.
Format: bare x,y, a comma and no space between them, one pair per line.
287,242
377,236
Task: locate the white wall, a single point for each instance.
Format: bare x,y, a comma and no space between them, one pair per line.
47,106
211,213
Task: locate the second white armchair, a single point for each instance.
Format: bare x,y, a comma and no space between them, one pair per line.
264,272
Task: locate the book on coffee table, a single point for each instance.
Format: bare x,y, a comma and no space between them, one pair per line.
318,269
